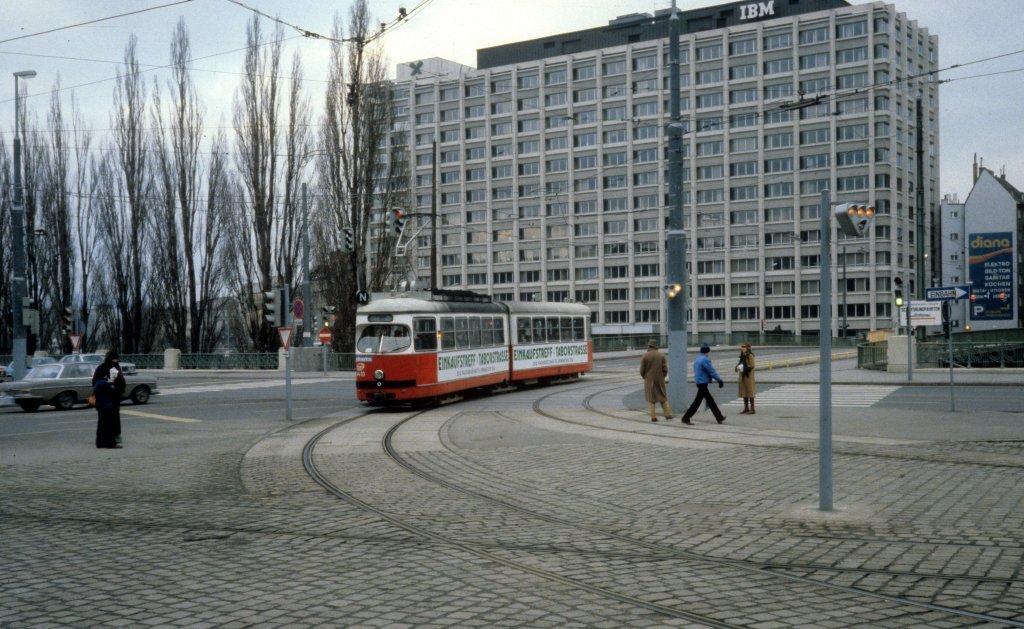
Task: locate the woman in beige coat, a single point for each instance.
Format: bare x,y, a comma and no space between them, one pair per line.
653,369
748,386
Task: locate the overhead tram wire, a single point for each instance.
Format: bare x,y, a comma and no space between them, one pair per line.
102,19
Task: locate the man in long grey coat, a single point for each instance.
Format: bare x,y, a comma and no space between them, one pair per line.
653,369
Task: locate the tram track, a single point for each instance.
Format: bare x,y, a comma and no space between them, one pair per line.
722,432
647,551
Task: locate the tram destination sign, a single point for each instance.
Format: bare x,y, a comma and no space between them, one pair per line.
946,293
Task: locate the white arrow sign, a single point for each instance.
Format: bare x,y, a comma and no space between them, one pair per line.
944,293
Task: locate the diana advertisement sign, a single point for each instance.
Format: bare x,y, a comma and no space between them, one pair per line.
990,260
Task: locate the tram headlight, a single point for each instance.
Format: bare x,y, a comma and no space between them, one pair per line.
379,374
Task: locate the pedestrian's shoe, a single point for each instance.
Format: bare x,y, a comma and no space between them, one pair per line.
668,417
687,422
654,419
720,419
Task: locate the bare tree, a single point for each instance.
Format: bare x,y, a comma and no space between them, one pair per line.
127,265
265,230
180,224
55,251
354,146
83,225
256,132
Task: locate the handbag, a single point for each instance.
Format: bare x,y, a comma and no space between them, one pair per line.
740,367
92,401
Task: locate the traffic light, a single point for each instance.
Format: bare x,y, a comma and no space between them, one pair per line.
673,289
272,307
66,318
328,315
347,240
897,292
398,222
854,218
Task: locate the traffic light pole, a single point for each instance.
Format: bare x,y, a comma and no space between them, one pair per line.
289,321
676,258
910,332
825,358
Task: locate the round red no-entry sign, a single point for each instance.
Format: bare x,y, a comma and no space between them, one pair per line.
325,335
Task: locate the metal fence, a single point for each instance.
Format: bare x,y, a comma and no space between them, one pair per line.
639,341
973,353
873,355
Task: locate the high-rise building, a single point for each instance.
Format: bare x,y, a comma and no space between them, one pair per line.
552,164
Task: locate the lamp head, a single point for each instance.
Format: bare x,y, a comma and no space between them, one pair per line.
25,74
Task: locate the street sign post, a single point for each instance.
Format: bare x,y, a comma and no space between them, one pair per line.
75,339
298,309
946,293
325,335
362,297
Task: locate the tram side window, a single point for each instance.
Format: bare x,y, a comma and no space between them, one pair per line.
538,330
524,333
552,329
565,328
461,332
447,333
487,331
474,332
426,334
499,331
579,328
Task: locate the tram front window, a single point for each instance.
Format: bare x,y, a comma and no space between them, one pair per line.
383,339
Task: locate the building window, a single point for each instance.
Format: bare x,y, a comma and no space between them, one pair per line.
816,60
814,35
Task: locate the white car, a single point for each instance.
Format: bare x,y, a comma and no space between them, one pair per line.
96,359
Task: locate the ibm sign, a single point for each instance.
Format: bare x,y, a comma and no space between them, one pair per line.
756,10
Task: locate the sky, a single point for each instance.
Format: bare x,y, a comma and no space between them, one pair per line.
979,115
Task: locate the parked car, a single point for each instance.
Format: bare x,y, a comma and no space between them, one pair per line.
7,371
95,359
63,385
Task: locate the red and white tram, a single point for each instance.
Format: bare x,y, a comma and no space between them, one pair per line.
427,346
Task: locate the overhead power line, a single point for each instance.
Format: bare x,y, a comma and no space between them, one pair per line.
102,19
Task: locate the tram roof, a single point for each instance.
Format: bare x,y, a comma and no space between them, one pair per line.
418,303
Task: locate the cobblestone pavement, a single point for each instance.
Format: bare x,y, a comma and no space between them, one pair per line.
557,507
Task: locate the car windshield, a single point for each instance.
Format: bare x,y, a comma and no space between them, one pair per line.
383,339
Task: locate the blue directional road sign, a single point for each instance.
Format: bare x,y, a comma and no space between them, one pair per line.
945,293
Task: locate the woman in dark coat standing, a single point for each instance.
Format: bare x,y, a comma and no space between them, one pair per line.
653,369
108,386
747,383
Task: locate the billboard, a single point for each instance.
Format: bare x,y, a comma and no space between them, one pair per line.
990,264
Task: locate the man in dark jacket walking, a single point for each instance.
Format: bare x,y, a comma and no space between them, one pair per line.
703,374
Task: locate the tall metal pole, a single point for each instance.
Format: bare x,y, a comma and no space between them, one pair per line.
433,220
910,332
307,297
289,321
676,259
843,333
825,358
20,343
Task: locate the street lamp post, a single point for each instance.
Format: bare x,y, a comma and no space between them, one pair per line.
18,239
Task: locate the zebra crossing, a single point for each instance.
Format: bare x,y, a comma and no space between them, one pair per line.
861,396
